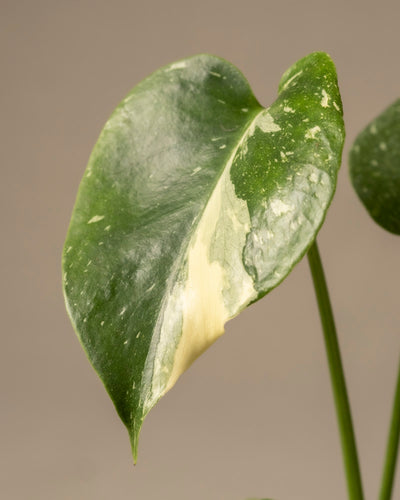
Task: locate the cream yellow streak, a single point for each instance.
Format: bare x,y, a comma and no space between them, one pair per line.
204,313
217,286
207,307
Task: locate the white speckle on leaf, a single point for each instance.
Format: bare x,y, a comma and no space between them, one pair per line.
122,312
291,80
125,342
197,169
288,109
68,249
313,177
178,65
102,323
374,163
383,146
283,156
221,101
266,123
373,129
325,99
101,243
214,73
312,132
96,218
245,110
336,106
88,173
138,335
216,139
279,207
223,146
107,228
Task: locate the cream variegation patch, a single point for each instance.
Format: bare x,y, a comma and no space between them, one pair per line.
215,285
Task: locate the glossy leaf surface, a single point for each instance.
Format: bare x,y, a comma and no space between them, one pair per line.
375,168
195,203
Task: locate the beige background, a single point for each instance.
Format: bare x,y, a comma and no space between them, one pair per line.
254,416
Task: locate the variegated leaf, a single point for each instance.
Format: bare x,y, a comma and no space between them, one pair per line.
375,168
196,202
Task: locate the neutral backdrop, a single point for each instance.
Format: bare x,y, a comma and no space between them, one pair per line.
254,416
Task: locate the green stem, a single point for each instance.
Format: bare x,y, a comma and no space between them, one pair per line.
342,404
392,447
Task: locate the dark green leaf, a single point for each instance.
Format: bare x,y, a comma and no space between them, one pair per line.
375,168
195,203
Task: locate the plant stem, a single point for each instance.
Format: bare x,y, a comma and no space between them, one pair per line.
347,437
392,447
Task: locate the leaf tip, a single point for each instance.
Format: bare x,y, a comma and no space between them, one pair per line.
134,433
134,437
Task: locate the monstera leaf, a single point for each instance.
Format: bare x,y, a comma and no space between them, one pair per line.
196,202
375,168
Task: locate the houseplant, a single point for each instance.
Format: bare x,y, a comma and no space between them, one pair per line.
197,202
